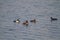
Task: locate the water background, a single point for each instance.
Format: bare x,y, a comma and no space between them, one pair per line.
41,10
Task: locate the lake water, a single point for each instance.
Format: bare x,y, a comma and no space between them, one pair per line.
41,10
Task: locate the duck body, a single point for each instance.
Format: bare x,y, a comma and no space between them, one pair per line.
34,20
53,18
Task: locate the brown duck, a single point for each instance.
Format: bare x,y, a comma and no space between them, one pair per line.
25,23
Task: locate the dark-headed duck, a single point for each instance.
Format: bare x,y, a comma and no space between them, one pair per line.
34,20
16,21
53,18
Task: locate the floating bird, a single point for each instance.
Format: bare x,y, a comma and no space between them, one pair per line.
25,23
53,19
34,20
17,21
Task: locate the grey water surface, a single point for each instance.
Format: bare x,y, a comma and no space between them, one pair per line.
41,10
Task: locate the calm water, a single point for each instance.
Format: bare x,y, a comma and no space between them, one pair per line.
41,10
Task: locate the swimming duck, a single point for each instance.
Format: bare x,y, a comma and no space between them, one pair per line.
16,21
34,20
53,18
25,23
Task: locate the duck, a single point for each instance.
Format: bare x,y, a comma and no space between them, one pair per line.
53,19
34,20
17,21
25,23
